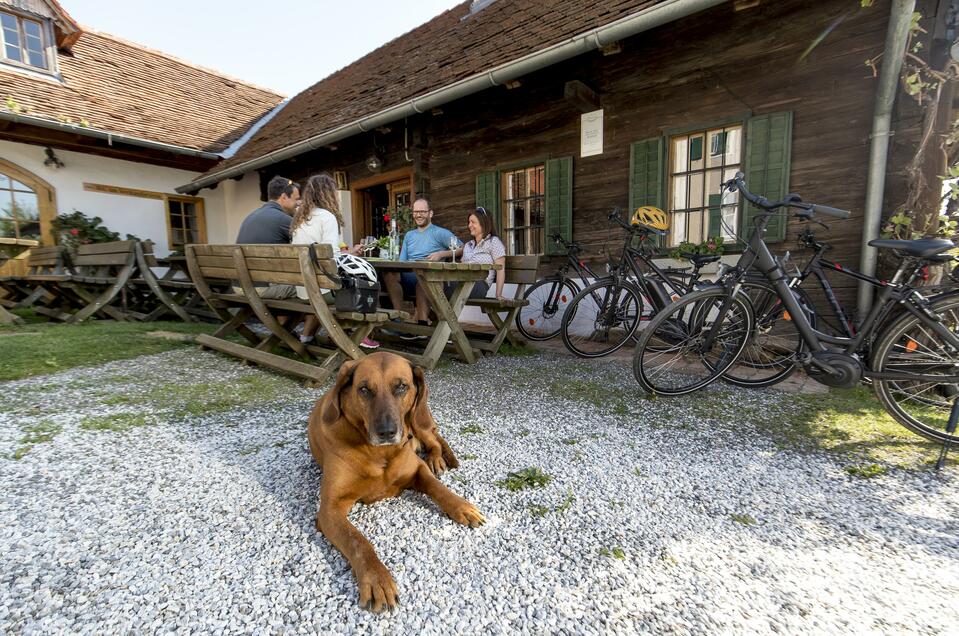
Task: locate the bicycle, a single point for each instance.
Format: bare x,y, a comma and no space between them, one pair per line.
549,297
604,315
913,361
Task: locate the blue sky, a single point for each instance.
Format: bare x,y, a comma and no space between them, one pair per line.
287,47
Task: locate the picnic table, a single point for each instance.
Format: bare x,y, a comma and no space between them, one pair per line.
432,275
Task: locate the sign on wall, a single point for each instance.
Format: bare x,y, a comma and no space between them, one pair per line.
591,134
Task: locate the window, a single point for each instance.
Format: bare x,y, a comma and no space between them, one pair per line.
186,221
22,41
524,202
699,162
19,210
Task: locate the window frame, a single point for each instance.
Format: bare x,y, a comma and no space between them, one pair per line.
705,128
504,212
48,48
199,213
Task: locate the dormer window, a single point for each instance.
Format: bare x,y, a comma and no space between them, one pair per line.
23,41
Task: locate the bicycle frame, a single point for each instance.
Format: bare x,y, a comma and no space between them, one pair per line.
894,292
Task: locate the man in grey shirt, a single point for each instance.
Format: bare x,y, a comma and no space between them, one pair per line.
270,223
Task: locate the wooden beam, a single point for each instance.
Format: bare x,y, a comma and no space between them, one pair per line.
581,96
130,192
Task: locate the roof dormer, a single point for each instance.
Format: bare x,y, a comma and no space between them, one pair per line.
31,32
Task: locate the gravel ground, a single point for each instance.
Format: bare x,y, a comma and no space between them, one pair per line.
661,516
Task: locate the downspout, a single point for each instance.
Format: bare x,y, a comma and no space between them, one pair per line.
897,34
657,15
109,136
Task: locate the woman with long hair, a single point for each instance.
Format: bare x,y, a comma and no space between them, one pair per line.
484,247
318,220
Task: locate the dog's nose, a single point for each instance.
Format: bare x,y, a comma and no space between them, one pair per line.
385,430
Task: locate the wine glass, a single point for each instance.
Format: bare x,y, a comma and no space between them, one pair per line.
454,244
368,244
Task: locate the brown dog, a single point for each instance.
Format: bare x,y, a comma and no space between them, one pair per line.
365,434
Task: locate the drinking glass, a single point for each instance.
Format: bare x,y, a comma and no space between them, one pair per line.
454,244
368,244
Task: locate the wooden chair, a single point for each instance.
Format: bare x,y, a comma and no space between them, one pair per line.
521,271
310,266
96,288
44,265
163,295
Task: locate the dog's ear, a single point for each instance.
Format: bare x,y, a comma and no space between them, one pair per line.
331,409
422,418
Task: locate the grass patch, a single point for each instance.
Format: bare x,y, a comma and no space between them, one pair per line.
117,422
508,350
615,553
531,477
523,433
850,422
570,441
598,394
542,511
743,519
468,456
58,347
472,428
865,471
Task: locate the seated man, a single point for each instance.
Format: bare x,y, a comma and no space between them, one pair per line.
270,223
424,242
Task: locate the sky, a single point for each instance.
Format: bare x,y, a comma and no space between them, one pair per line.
287,48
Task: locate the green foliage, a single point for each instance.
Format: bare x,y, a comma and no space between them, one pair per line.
19,221
77,228
616,553
13,106
743,519
865,471
713,245
116,422
531,477
472,428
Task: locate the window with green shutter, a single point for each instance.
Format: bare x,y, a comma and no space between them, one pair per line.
768,149
559,203
646,176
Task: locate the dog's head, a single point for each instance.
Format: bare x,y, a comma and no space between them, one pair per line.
383,395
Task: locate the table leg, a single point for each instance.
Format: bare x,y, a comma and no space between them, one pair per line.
448,326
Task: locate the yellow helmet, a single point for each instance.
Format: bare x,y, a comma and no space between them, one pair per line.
651,217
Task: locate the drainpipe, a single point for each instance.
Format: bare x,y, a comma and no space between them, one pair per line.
897,34
111,137
649,18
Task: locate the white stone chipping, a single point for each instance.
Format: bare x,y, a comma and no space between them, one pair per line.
663,516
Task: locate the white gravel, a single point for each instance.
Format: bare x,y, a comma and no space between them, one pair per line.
205,523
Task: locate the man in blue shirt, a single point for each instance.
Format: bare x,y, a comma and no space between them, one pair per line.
424,242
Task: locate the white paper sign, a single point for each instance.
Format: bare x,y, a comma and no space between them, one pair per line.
591,136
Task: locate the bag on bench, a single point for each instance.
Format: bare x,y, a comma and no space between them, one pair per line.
357,294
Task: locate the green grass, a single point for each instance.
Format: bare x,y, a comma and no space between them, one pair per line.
743,519
601,396
472,428
865,471
39,433
616,553
57,347
541,511
531,477
117,422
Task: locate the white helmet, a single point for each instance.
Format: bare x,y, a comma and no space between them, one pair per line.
355,266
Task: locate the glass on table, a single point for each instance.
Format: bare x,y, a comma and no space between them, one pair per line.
454,245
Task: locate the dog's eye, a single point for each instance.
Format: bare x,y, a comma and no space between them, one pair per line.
401,389
365,392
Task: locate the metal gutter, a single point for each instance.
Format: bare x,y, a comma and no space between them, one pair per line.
106,134
897,34
252,130
650,18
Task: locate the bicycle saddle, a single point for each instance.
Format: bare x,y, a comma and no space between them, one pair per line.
700,259
920,248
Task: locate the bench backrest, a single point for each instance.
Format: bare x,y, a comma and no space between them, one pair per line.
271,264
521,271
49,261
104,259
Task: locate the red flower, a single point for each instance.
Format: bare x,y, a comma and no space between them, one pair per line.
386,217
711,245
74,231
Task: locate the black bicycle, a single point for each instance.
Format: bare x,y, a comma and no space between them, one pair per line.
913,360
549,297
605,314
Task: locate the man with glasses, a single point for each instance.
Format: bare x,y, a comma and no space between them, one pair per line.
424,242
270,223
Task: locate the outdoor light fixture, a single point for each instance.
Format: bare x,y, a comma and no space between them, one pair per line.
374,163
52,161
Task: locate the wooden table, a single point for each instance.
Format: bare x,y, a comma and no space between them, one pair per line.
432,275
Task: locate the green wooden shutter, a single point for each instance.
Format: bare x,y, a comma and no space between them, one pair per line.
768,146
487,195
559,203
715,227
646,176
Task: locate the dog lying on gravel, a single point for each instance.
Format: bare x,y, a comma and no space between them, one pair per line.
365,434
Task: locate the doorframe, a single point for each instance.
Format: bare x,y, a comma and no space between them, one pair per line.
46,197
357,186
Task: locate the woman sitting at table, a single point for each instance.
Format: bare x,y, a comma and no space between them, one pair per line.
484,247
317,219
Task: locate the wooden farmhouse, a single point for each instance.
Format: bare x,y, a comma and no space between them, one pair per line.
92,123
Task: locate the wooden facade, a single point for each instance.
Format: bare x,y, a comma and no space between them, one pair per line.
720,66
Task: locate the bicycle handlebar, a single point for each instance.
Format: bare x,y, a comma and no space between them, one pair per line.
791,201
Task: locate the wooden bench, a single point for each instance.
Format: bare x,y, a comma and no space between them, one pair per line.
309,266
96,288
520,271
42,262
166,294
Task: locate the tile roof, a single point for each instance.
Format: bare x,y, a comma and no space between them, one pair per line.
442,51
125,88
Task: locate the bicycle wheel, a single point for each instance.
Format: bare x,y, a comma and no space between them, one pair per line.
672,356
772,352
908,345
601,318
548,299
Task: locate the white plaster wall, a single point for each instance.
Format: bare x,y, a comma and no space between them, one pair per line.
146,218
236,200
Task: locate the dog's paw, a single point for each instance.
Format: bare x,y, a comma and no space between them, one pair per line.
451,462
436,463
467,514
377,589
